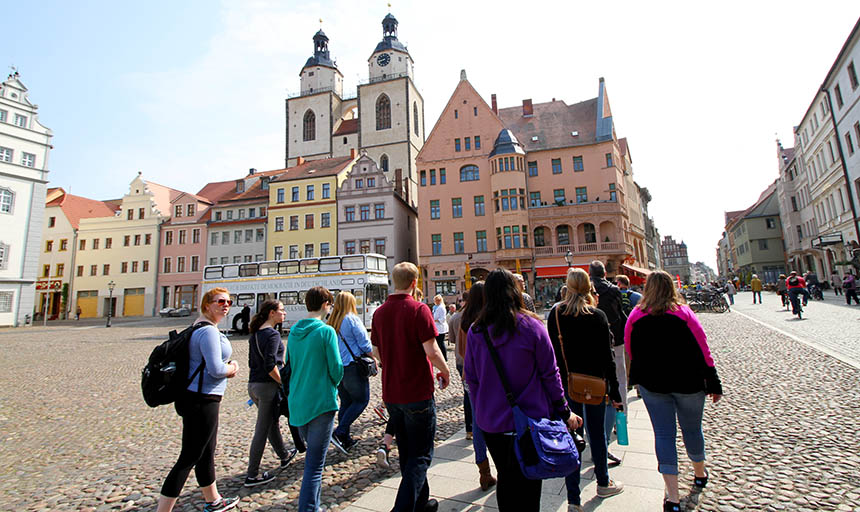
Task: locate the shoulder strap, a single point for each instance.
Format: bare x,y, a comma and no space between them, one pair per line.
347,345
560,339
202,365
498,364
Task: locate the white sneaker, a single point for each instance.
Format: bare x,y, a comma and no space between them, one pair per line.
605,491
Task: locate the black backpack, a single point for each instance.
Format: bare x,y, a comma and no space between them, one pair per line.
163,378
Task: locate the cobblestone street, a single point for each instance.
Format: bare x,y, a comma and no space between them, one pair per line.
76,434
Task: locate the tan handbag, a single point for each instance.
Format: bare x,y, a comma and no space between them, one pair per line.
582,388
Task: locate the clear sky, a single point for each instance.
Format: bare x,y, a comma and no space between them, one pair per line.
193,91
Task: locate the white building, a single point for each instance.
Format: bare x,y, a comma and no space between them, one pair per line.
24,148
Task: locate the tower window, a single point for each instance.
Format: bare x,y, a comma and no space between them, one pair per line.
383,163
415,117
383,113
309,131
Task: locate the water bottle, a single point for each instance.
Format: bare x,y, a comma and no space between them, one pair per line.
250,403
621,427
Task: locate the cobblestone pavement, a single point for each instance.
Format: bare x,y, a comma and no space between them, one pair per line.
76,435
829,324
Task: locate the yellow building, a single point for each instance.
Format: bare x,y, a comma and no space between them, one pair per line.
123,250
303,208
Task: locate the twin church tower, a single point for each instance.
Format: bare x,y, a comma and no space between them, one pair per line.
385,119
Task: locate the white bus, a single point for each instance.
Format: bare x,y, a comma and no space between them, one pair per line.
249,284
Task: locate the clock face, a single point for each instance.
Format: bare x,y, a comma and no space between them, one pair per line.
383,59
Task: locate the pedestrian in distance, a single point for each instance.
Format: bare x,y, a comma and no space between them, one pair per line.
836,283
796,285
782,289
755,286
474,305
527,358
528,302
582,343
439,318
849,284
78,312
354,388
265,359
610,301
673,367
731,290
315,373
403,335
200,405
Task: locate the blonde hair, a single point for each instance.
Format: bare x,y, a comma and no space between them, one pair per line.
579,296
403,274
344,304
438,299
660,294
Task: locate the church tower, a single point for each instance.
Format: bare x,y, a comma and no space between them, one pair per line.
391,110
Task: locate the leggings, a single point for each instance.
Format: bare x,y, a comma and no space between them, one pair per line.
199,437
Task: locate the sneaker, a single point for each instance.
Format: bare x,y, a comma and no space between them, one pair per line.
613,460
253,481
289,458
221,503
338,444
349,443
431,505
670,506
381,411
382,457
605,491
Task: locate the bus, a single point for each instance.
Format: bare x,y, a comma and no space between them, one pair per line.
250,284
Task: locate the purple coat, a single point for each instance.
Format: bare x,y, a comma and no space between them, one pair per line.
529,363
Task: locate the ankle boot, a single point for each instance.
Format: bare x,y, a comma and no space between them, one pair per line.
487,479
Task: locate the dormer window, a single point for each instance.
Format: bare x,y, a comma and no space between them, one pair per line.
359,183
240,186
264,182
21,120
177,210
190,210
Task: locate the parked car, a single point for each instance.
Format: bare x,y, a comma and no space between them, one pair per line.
181,311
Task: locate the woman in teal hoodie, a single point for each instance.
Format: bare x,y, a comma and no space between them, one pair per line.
316,371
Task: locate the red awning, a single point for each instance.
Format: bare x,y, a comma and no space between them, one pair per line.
636,270
557,271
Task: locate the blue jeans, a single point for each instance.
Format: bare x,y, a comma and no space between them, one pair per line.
757,294
354,394
593,417
792,295
478,442
414,428
317,435
662,408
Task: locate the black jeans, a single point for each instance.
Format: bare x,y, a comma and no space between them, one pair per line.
849,293
199,437
514,492
415,429
440,340
467,402
354,393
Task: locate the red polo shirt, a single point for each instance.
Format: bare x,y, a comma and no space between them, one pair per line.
400,327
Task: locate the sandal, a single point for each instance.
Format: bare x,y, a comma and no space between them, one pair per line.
701,481
671,506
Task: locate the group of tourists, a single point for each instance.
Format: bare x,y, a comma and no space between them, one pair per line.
323,372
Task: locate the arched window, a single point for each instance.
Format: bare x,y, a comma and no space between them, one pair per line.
540,240
7,200
415,116
562,235
469,173
383,163
383,113
589,235
309,131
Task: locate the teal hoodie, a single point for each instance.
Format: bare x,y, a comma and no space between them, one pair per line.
316,367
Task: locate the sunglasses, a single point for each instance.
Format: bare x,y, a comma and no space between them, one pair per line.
221,302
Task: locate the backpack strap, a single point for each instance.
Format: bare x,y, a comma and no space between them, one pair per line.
202,365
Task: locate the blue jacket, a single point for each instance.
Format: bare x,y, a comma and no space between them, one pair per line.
209,344
352,331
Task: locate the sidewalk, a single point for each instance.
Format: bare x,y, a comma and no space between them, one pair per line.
454,477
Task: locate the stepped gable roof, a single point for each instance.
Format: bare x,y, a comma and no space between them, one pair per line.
76,208
552,122
315,169
347,126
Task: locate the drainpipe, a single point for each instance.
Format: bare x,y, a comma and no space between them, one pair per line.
844,165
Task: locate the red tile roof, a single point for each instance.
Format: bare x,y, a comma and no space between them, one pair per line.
76,208
315,169
552,124
347,126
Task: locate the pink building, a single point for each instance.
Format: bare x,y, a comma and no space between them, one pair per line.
526,187
182,252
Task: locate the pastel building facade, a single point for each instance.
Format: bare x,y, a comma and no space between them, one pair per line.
756,240
24,148
182,253
795,209
524,188
675,259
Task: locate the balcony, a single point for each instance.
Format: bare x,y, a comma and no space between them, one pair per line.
512,254
586,248
552,210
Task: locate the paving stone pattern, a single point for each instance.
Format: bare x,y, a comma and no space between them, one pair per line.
76,435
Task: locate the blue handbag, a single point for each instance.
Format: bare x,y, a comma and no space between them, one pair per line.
544,447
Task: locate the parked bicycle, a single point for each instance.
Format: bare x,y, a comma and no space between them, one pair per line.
706,300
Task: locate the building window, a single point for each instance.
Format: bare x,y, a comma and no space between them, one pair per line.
558,196
309,221
469,173
432,176
294,222
762,244
195,236
349,247
46,271
477,137
434,209
456,144
280,195
326,190
459,246
423,175
442,177
309,192
195,263
383,163
456,114
364,246
556,165
359,184
534,199
383,113
5,154
252,212
64,244
108,243
481,241
578,165
217,215
3,115
28,159
95,268
770,223
849,143
436,241
106,269
52,221
456,207
468,143
180,265
294,194
80,271
838,93
249,236
140,212
581,195
136,240
415,117
608,159
533,168
309,126
182,237
126,240
349,213
177,210
612,194
7,200
6,299
95,244
49,245
365,211
134,265
540,237
166,266
379,211
20,120
279,223
852,75
261,233
214,239
379,246
129,214
168,238
325,220
479,206
189,210
562,235
589,232
279,252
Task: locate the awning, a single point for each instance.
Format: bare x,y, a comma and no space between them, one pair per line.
638,270
556,271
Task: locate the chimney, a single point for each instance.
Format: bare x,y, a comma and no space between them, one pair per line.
528,110
300,160
495,105
251,171
352,152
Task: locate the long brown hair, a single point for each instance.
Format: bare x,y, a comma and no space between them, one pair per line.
579,296
262,315
344,304
660,294
502,302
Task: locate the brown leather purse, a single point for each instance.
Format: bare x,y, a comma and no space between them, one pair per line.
582,388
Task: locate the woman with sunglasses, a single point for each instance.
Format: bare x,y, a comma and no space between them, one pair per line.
209,351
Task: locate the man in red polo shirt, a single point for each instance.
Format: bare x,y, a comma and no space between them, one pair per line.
404,340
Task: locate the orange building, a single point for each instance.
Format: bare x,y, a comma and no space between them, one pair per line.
537,187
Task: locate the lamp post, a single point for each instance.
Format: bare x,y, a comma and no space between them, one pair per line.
569,259
111,286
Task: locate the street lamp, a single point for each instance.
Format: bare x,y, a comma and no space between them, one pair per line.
569,259
111,286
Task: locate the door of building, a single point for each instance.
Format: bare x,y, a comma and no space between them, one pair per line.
88,301
132,302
